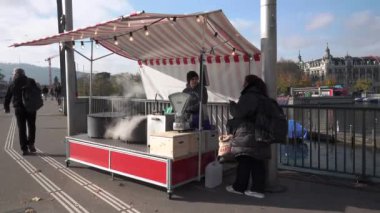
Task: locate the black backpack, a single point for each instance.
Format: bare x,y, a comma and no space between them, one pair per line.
271,125
31,96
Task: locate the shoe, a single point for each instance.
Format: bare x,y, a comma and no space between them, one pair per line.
231,189
25,152
32,148
254,194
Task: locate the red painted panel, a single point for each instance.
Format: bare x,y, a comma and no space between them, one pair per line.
89,154
217,59
141,167
257,57
185,169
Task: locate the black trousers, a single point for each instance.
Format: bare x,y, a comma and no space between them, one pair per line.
26,118
250,167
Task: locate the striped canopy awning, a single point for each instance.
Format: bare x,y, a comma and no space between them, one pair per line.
173,47
173,38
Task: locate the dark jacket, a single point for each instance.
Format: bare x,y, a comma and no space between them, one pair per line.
243,127
14,93
193,106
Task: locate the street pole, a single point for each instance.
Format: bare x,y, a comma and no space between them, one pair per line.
70,73
61,29
268,61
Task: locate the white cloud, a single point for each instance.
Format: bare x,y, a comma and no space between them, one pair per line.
362,30
320,21
100,11
242,24
249,29
296,42
363,20
358,19
24,20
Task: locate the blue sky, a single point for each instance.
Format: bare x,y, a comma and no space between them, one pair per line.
348,26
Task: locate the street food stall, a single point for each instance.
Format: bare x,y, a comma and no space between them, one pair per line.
165,46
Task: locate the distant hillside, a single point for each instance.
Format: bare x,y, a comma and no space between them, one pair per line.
40,74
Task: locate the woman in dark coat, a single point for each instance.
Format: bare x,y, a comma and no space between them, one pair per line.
249,153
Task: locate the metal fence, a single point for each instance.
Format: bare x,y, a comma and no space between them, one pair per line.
335,140
340,140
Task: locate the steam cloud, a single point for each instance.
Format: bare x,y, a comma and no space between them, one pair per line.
125,129
130,128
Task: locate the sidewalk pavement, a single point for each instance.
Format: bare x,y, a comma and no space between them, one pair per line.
304,192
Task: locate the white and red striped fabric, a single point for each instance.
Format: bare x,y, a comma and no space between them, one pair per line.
174,45
225,76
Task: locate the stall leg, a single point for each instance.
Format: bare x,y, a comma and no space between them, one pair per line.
112,176
170,193
169,178
67,161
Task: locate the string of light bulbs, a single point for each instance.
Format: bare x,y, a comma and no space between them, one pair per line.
145,29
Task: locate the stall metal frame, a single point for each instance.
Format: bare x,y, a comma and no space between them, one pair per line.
119,158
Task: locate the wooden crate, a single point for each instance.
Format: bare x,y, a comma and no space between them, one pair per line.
171,144
210,138
209,141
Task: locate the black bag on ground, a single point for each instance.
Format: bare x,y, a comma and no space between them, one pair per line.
31,96
271,124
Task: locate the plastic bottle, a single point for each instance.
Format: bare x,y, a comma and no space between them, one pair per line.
213,174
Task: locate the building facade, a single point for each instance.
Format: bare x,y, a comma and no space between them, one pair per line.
343,70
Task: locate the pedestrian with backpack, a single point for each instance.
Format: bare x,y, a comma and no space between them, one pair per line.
22,91
45,92
249,153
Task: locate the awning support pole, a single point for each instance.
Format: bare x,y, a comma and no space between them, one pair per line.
200,116
90,92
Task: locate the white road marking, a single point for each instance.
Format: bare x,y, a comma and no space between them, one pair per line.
107,197
64,199
54,190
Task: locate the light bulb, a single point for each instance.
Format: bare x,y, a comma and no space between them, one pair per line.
115,40
130,36
198,19
146,30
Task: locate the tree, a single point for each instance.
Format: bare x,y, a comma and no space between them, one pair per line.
289,75
362,85
83,85
104,84
329,81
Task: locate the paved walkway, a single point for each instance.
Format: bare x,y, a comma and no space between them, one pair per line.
42,182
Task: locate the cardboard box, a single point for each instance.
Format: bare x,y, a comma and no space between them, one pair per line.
171,144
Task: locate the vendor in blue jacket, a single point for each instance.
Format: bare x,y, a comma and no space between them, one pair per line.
193,88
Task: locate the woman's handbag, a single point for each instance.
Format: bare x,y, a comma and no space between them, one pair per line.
224,152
